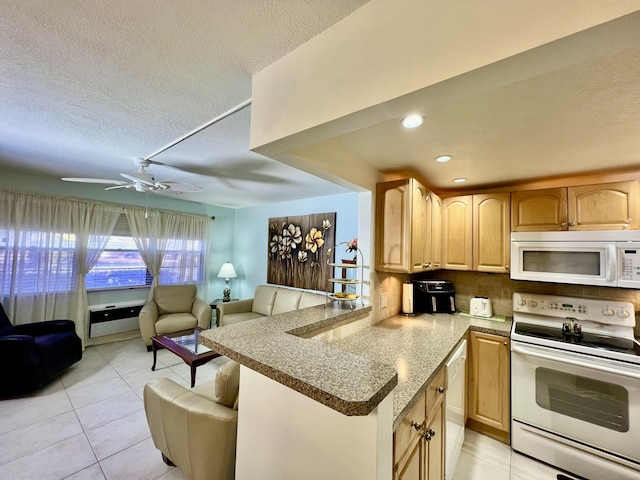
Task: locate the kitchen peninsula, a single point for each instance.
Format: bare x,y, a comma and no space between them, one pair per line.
310,401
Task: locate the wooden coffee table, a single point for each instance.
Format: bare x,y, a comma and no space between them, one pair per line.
187,348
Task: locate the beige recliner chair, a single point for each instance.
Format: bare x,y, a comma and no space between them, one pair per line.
174,309
196,429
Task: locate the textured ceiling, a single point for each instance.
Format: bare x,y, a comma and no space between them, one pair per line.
569,107
86,87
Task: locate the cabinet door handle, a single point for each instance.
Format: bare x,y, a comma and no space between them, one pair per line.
440,389
572,224
417,426
429,434
563,224
437,264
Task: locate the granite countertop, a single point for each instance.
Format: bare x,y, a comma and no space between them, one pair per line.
273,346
355,374
417,347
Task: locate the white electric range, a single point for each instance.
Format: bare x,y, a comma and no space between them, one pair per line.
575,384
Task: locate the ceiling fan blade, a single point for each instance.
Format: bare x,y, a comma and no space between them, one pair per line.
176,188
144,178
124,185
182,187
94,180
167,192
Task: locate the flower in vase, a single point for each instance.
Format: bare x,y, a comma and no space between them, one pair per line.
352,245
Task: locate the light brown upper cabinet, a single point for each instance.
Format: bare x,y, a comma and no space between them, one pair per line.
539,210
436,229
491,228
457,233
407,227
607,206
476,232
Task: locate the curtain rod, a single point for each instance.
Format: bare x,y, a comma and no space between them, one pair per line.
235,109
103,202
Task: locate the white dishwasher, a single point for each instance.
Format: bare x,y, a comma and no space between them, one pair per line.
454,407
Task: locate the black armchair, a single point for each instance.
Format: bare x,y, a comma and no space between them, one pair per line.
33,354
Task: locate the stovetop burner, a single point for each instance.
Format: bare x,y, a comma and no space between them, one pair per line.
603,342
586,326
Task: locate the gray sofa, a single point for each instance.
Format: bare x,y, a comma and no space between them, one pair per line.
267,300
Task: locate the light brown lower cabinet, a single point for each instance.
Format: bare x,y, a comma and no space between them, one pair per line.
434,453
489,385
418,442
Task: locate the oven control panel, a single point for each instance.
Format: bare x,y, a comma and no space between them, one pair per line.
596,310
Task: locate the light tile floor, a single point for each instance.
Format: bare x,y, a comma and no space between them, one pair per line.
89,424
483,458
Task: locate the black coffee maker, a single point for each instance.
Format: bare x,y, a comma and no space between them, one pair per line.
434,296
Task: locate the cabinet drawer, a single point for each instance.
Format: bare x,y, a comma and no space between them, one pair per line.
435,393
405,435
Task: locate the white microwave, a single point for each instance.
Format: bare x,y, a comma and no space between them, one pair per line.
603,258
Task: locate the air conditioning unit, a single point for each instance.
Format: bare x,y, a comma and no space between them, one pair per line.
111,318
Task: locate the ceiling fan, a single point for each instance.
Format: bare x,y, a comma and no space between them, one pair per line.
141,181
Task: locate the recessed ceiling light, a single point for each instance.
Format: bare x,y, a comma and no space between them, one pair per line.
459,180
443,158
412,121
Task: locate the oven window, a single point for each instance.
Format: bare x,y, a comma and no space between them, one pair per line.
574,263
600,403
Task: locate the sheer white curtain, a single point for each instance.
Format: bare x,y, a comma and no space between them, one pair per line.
146,231
37,249
185,255
93,225
172,245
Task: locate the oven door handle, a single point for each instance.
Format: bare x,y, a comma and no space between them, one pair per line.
525,351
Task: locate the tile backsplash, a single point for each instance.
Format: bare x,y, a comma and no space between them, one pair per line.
498,287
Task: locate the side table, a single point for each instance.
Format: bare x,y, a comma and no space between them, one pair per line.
214,303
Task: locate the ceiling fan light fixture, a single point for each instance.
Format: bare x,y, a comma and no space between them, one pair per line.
141,181
443,158
412,121
459,180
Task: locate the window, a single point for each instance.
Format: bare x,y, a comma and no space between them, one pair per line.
120,266
183,262
36,262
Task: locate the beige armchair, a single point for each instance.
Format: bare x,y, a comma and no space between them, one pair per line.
174,309
196,429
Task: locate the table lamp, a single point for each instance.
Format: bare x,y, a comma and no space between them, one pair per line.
227,272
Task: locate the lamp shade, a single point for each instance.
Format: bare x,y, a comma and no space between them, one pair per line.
227,271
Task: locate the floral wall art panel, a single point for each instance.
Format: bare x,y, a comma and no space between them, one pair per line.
298,250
